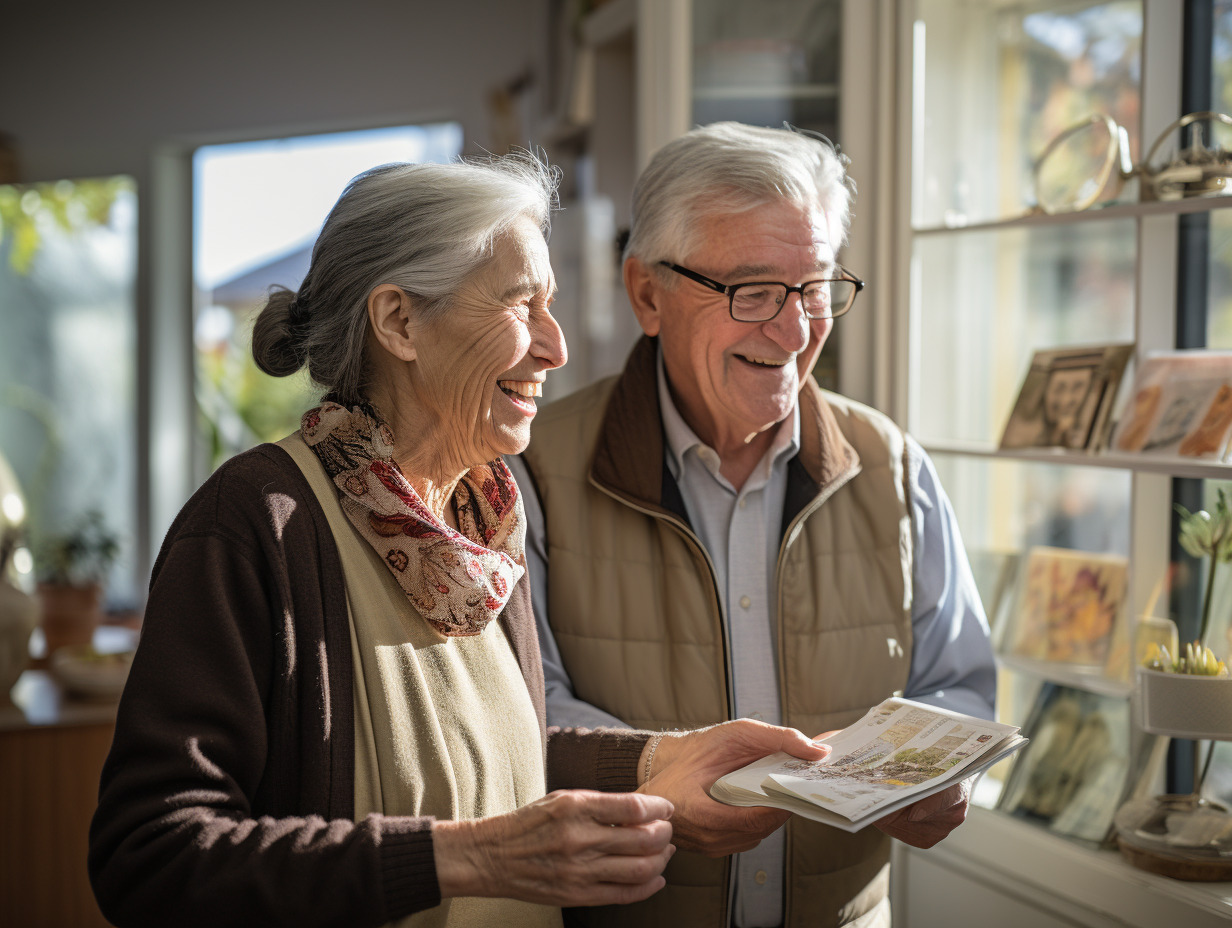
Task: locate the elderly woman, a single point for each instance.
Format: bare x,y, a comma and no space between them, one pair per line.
336,714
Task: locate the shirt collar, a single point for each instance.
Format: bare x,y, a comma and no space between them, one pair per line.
681,438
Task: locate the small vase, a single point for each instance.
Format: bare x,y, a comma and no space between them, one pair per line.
19,613
70,614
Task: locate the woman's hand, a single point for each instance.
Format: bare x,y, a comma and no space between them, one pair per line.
685,766
573,847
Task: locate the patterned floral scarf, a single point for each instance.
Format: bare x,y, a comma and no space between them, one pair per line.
458,580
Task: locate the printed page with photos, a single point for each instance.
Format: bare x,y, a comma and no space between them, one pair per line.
898,753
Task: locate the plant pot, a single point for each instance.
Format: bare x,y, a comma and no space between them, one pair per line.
70,614
1184,705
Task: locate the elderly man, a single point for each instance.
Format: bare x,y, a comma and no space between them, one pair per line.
720,538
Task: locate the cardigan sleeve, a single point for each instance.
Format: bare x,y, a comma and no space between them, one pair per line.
197,823
604,759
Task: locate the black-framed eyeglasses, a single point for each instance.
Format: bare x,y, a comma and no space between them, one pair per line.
762,300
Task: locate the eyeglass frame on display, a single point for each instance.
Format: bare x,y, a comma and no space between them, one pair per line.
1214,170
729,291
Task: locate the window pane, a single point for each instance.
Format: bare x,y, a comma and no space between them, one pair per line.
991,106
1004,509
990,299
1219,265
68,356
1221,64
258,207
768,62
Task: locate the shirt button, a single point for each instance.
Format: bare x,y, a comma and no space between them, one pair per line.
743,501
745,602
760,877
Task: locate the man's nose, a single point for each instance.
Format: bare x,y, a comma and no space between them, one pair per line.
790,328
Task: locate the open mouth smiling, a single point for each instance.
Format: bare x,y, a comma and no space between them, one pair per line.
522,393
764,362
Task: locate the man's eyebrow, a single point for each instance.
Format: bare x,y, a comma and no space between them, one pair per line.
766,272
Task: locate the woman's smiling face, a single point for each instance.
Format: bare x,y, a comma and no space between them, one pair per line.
480,364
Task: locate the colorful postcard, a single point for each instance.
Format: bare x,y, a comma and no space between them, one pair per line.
1082,760
1070,605
1066,398
1180,405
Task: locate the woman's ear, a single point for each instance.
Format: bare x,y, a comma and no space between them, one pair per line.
644,289
389,315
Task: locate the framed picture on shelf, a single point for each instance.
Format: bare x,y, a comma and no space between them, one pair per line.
1066,398
1069,606
1083,760
1180,406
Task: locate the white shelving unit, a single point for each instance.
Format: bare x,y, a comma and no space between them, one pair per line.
998,868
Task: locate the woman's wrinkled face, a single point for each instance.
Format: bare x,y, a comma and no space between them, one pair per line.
482,362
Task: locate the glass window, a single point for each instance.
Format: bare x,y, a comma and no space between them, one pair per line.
768,62
990,299
68,356
258,207
999,81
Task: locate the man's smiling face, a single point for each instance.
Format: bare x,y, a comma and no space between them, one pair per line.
732,380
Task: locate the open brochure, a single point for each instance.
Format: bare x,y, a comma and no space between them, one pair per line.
900,752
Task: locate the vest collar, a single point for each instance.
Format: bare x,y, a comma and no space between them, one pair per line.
628,457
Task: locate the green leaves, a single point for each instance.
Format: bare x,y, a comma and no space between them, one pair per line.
1204,535
80,556
27,212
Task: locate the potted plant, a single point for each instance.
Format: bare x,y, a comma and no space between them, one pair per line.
1187,693
72,569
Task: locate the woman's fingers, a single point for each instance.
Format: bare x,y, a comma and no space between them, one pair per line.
618,808
569,848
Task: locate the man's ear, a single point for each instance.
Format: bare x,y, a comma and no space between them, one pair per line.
645,291
389,315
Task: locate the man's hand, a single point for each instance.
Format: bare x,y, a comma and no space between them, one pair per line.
685,766
924,823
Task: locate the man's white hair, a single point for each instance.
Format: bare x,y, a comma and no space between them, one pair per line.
728,167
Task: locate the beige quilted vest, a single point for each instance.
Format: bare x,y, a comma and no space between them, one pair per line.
634,609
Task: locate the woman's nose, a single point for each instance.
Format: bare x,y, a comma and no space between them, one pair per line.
548,341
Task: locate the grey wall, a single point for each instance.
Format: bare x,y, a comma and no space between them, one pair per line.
90,88
93,89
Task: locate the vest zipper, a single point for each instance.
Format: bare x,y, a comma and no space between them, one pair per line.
799,518
688,535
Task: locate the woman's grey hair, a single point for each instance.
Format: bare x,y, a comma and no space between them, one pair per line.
426,228
729,167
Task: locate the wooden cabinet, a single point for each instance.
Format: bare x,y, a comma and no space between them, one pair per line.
51,756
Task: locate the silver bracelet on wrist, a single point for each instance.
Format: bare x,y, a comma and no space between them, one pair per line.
654,745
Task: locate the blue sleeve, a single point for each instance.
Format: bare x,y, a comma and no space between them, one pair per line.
564,709
952,663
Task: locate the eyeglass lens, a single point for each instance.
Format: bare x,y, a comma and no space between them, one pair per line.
759,302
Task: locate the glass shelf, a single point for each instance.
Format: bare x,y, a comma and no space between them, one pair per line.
1116,211
1175,467
767,92
1088,679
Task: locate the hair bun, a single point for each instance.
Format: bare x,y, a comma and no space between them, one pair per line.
279,334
